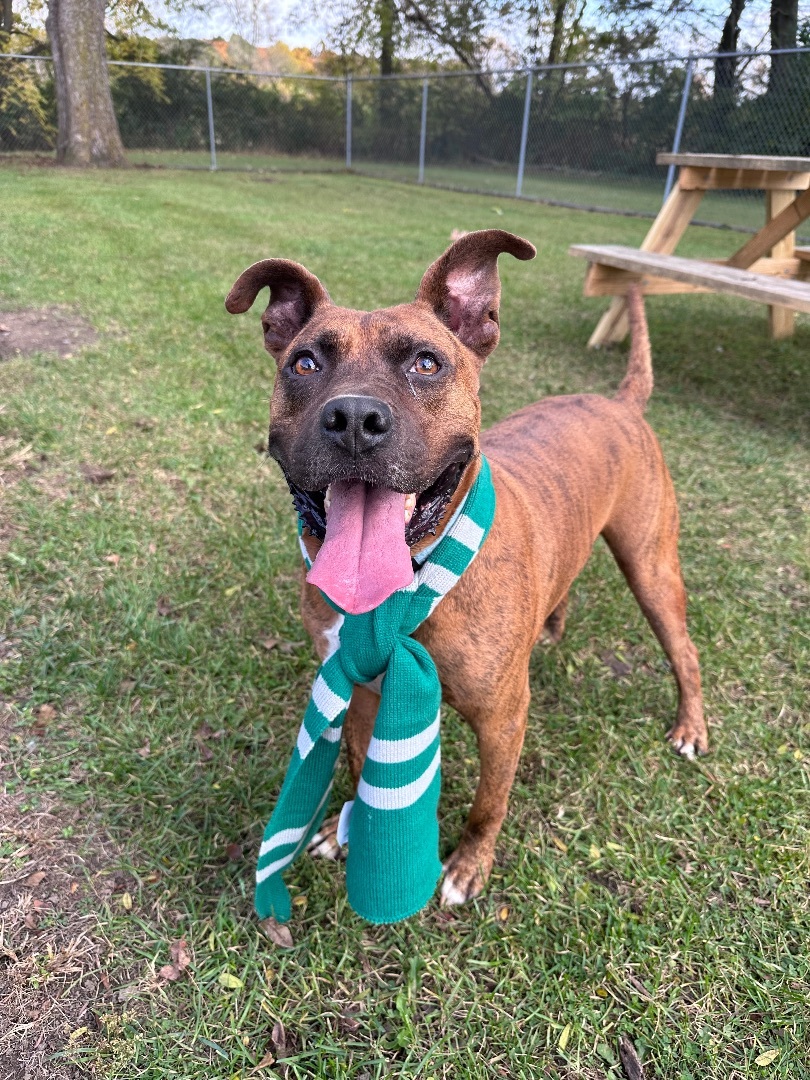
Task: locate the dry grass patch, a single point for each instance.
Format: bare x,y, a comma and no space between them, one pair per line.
56,876
43,330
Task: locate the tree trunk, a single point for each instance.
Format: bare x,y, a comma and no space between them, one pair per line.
784,26
6,16
387,12
88,130
725,67
557,31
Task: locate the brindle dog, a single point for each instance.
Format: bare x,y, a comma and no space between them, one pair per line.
390,398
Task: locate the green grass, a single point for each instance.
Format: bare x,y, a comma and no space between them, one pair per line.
733,209
634,893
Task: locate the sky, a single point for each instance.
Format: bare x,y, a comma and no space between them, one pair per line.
266,21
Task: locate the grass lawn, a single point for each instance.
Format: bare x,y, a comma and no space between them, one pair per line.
733,209
153,671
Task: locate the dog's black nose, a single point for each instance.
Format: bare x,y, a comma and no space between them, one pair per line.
356,423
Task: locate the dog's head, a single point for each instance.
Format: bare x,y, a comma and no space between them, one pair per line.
387,398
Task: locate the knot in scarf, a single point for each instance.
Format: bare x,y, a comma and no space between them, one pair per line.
392,865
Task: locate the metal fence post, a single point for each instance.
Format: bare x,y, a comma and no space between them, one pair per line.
423,133
676,142
524,134
348,121
211,137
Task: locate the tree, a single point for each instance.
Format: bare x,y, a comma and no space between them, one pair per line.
725,67
784,27
88,130
6,16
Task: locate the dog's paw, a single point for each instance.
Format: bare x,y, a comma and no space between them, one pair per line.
689,739
324,844
464,877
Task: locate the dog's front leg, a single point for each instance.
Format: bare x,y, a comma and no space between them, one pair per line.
500,726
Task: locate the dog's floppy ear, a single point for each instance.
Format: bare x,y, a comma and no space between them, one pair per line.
464,289
294,295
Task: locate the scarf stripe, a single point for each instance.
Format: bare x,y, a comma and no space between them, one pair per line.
393,865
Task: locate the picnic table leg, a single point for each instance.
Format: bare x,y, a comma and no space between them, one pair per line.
781,320
663,237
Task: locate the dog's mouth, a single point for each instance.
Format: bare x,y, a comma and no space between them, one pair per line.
422,512
367,532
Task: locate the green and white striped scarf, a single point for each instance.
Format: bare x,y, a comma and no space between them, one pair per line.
393,864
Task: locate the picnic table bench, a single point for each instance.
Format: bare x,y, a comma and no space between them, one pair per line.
768,268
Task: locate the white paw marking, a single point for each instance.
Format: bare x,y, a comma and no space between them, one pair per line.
451,895
328,849
684,748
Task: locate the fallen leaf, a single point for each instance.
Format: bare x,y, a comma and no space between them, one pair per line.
181,959
620,668
503,914
104,979
111,430
4,329
230,982
35,879
269,643
348,1024
767,1057
77,1034
266,1061
594,852
164,607
126,901
31,922
38,905
233,589
96,474
126,686
565,1035
179,952
557,842
144,751
74,886
278,933
234,852
278,1038
113,560
631,1063
45,713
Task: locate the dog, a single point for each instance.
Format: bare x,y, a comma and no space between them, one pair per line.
387,402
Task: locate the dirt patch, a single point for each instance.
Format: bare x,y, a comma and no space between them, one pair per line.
49,329
55,875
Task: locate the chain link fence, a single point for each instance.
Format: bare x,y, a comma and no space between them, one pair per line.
583,135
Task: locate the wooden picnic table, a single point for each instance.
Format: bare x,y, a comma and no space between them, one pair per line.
768,268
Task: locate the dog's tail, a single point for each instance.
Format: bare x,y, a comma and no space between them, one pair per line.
637,384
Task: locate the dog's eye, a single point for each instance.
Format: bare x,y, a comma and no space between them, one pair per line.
305,364
425,364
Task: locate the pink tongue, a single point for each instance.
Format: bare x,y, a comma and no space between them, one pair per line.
364,557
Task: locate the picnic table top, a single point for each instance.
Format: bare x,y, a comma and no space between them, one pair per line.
758,162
